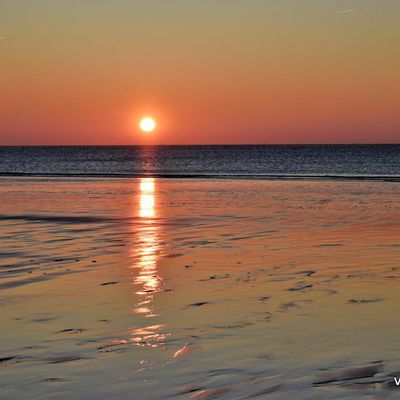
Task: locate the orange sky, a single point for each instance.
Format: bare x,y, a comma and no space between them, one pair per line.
237,71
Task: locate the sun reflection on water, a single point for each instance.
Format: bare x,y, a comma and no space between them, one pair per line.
147,205
147,279
146,254
147,198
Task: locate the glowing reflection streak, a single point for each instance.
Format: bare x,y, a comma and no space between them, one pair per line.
147,278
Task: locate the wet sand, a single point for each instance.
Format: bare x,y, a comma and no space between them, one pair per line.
198,289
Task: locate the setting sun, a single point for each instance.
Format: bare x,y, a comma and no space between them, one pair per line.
147,124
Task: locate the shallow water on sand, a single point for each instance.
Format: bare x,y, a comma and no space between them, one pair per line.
179,289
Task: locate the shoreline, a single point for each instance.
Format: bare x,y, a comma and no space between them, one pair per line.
257,177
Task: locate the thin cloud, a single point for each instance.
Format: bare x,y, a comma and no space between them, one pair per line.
347,11
2,37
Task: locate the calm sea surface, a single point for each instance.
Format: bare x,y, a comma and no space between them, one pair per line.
250,161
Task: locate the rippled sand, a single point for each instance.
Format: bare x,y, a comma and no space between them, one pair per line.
180,289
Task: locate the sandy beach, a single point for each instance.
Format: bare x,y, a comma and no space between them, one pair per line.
198,289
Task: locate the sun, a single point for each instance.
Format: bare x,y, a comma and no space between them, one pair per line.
147,124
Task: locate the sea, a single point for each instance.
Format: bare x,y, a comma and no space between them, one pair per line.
357,162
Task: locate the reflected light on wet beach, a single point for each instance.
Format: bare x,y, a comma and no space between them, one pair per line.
147,200
147,185
147,279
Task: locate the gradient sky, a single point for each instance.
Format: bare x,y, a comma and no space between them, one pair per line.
210,71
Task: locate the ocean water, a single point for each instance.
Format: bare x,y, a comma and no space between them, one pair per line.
381,162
